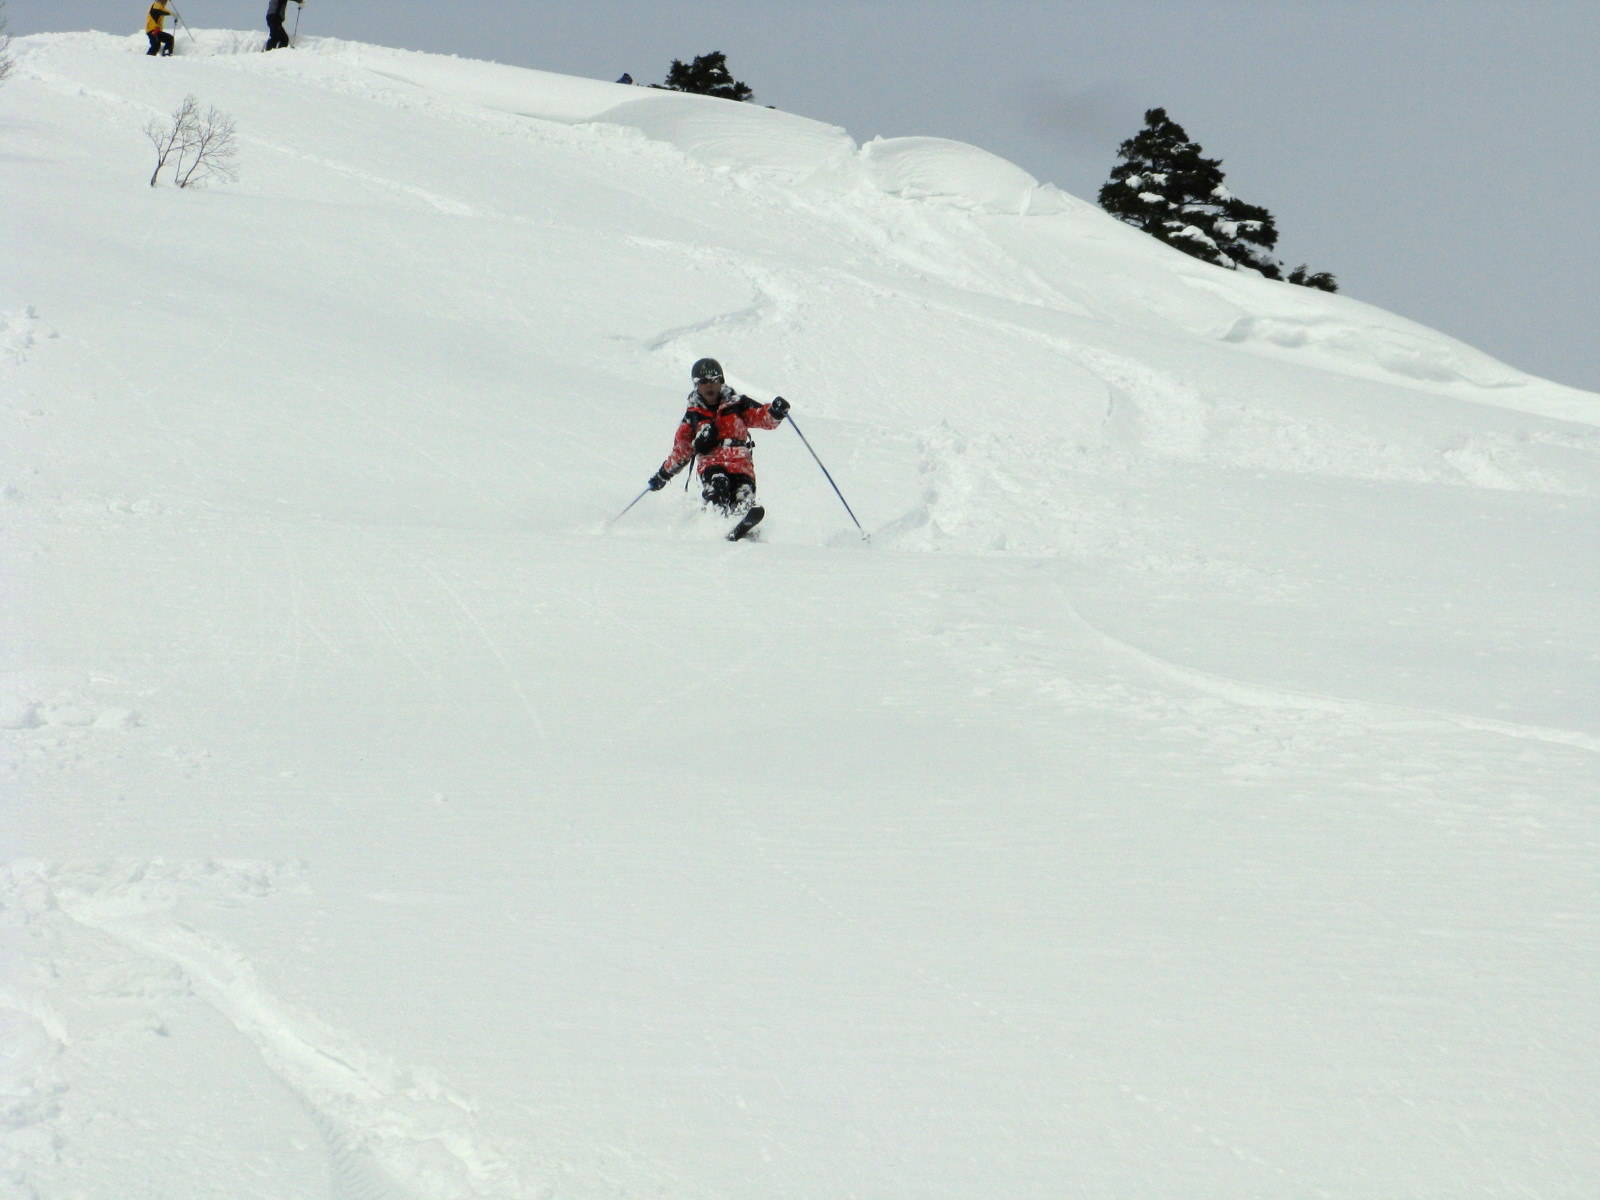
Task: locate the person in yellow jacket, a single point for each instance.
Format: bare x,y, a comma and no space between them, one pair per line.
161,41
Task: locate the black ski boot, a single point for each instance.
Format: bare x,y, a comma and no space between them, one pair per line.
747,524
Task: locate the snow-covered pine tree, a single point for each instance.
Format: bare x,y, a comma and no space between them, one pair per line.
1165,186
708,75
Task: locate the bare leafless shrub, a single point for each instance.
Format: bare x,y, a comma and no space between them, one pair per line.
200,146
167,138
211,154
6,61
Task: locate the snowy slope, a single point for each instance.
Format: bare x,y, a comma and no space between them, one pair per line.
1189,792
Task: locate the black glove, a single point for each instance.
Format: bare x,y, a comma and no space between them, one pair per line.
779,408
706,439
657,482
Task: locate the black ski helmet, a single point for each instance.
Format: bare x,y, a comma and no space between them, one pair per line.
706,368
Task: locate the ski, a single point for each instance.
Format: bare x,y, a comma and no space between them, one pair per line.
747,524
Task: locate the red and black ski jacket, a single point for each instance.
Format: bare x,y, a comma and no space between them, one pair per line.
732,417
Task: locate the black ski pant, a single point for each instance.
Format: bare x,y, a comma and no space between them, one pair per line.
277,35
730,492
160,43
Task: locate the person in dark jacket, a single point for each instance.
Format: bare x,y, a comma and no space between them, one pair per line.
161,42
716,428
277,36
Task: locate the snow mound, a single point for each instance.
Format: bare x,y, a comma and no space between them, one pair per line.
729,136
1422,355
957,175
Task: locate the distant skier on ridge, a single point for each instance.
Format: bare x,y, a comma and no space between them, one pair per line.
161,42
716,427
277,35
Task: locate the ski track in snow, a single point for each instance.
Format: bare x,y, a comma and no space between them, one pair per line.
20,332
765,311
390,1132
54,708
1376,715
428,200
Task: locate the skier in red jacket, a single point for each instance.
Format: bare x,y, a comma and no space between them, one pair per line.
716,427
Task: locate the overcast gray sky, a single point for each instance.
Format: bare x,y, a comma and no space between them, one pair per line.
1441,157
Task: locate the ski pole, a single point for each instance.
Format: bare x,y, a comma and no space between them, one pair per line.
294,39
864,535
183,23
631,503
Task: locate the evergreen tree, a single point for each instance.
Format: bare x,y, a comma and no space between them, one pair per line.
1166,187
1321,280
708,75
